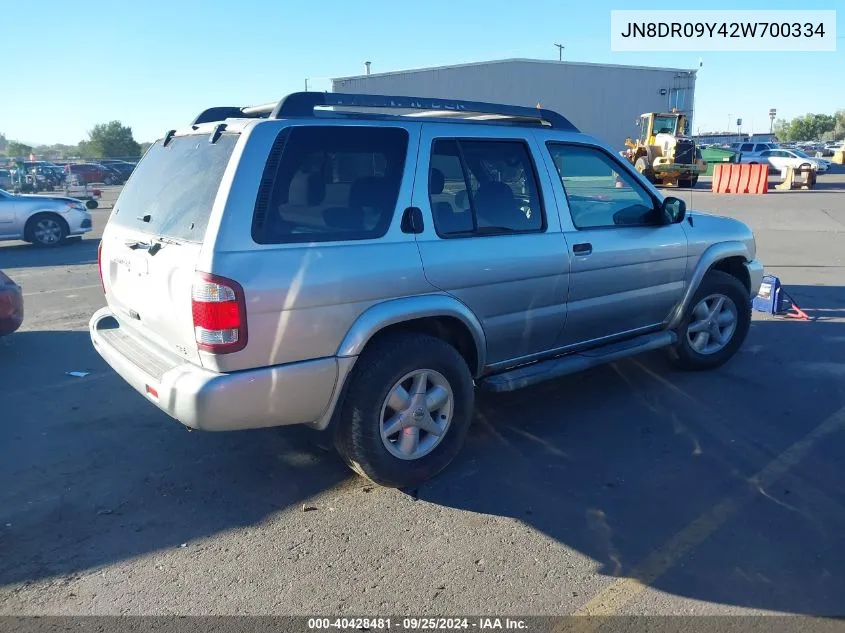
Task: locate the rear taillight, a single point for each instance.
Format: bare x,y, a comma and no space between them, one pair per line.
100,265
219,311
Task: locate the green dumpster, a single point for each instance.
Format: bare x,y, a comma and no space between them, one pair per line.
713,155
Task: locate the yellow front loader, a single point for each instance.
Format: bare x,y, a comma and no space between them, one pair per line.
662,153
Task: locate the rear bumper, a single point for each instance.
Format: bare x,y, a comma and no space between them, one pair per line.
296,393
755,275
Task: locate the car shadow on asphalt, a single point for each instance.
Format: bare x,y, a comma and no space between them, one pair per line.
92,474
665,477
72,253
616,464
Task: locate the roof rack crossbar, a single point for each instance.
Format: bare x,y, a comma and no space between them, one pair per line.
302,104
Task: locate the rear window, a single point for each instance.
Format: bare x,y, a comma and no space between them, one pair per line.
172,190
330,183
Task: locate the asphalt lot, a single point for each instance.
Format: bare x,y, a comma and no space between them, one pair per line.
629,489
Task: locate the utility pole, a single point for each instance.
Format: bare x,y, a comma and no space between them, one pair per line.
560,48
306,84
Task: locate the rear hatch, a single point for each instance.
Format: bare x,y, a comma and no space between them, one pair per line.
153,240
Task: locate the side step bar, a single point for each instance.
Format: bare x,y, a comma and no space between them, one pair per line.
572,363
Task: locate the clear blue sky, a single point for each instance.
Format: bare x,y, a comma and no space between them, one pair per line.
155,64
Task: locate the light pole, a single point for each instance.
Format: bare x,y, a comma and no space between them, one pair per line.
560,48
772,114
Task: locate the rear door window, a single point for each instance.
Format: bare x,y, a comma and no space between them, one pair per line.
330,183
173,188
484,187
747,147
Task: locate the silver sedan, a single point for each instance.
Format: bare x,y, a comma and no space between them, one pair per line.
42,220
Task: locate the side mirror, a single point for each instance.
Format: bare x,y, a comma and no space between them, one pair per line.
674,210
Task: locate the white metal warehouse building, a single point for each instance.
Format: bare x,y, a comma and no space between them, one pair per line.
602,100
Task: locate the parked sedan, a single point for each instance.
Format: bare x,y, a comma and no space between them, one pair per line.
93,172
42,220
11,305
780,159
122,167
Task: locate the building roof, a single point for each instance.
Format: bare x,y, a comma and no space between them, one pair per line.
521,60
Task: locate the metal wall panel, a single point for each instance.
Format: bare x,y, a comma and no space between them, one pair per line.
600,100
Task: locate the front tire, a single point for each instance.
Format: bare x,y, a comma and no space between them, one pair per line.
715,325
407,411
46,230
641,165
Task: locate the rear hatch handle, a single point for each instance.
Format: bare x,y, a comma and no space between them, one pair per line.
152,247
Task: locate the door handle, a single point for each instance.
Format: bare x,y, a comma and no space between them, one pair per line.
582,249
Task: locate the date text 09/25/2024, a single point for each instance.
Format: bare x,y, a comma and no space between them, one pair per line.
417,624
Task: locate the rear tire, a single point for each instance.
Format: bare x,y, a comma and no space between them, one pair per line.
46,230
381,397
715,325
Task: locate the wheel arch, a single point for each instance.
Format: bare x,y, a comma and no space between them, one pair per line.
27,229
440,315
729,257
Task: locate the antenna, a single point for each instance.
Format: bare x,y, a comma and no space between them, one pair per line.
560,48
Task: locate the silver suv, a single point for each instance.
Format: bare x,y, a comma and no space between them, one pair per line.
313,262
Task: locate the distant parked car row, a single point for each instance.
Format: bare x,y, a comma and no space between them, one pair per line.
108,172
41,175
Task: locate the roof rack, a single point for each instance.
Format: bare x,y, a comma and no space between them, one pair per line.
302,104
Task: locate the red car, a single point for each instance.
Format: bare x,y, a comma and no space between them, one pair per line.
93,172
11,305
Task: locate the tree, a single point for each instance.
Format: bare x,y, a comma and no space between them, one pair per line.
3,142
810,127
57,151
839,126
781,129
110,140
17,149
145,147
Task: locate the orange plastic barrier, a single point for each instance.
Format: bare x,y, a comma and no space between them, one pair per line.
759,182
744,177
740,178
719,184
